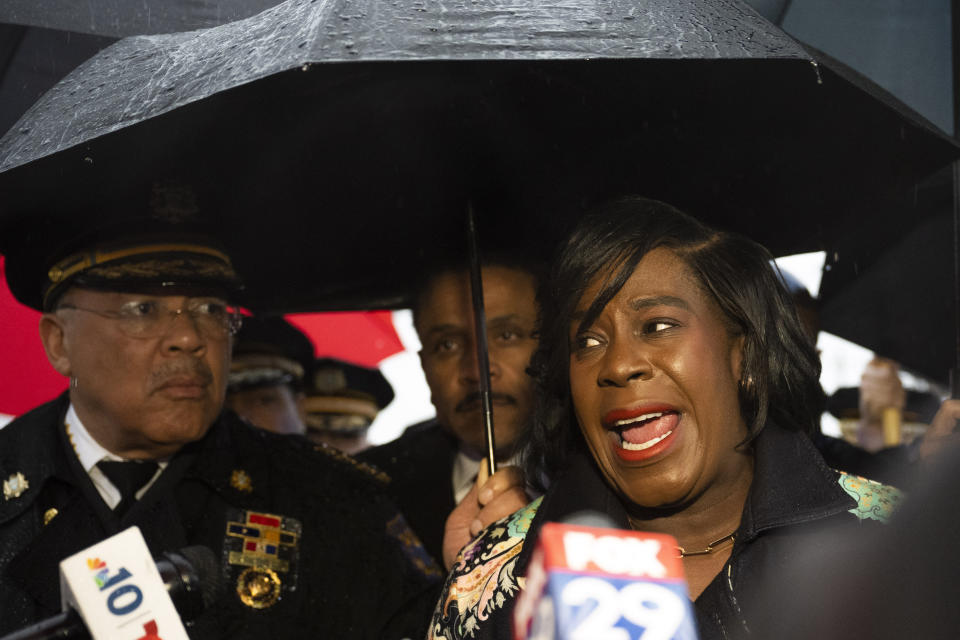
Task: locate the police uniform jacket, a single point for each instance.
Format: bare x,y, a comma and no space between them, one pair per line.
354,570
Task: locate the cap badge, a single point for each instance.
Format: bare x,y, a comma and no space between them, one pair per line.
49,515
266,546
329,380
14,486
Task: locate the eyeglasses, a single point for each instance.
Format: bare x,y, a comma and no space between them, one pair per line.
152,318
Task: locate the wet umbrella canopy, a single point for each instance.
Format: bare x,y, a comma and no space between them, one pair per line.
40,42
338,143
119,18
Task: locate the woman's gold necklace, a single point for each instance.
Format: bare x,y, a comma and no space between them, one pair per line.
710,547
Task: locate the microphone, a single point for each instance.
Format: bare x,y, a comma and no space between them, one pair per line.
588,580
191,577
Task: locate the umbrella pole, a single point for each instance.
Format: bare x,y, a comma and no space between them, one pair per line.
955,28
955,370
480,327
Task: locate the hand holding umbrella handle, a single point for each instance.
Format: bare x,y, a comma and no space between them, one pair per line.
490,499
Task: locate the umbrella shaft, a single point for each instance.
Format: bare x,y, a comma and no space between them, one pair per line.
480,327
955,371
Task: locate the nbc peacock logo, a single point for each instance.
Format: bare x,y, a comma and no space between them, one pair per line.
124,596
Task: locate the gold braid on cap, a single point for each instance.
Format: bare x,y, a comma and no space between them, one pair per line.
79,262
242,362
362,406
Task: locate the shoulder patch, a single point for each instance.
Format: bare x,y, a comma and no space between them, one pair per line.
875,501
413,549
367,469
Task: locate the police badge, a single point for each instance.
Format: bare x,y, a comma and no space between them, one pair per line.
260,551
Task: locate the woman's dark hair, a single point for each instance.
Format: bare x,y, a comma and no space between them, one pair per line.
780,370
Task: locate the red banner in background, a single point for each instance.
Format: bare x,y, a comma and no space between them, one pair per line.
26,378
360,337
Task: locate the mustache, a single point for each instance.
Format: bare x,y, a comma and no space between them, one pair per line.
471,401
195,369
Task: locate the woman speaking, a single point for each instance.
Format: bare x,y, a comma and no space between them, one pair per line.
677,389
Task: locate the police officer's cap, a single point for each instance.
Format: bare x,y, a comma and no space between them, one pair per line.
129,254
269,351
340,390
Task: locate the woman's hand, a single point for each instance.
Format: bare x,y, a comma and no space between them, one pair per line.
490,498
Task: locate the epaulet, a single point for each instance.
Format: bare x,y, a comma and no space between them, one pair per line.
363,467
875,501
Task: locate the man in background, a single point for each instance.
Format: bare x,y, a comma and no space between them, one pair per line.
433,466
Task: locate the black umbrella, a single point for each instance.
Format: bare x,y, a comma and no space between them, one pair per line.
40,42
121,18
902,298
339,142
899,298
34,59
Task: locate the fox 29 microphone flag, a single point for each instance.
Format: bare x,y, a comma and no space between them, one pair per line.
117,590
589,583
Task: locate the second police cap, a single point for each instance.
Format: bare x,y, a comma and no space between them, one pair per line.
343,397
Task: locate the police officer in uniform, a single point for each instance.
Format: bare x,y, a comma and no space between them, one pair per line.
142,327
271,357
342,401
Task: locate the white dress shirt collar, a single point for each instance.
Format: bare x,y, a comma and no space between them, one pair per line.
90,452
465,469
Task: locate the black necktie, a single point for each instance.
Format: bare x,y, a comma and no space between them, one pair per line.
128,478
